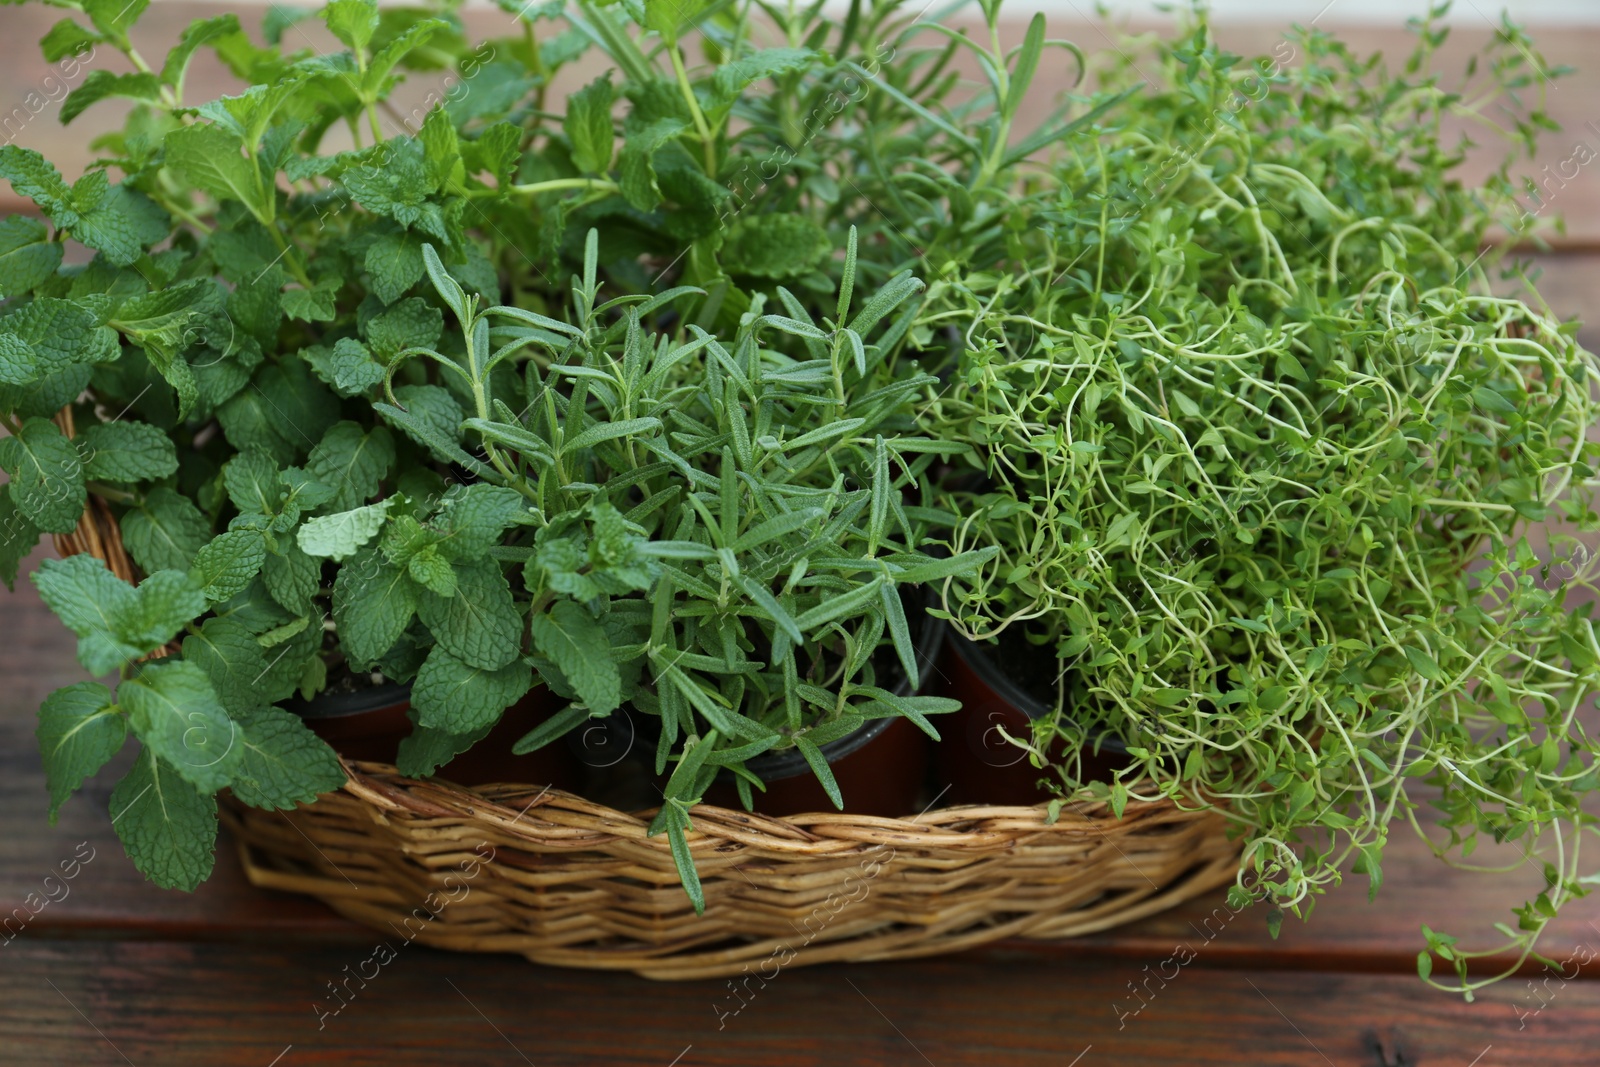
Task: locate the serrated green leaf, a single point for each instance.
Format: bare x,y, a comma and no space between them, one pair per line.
283,762
453,696
394,263
340,535
34,177
777,245
114,17
100,85
588,126
425,749
577,644
79,730
18,536
373,603
636,164
473,517
164,531
126,452
232,659
353,461
68,38
212,159
196,34
227,564
27,255
176,713
46,475
478,625
167,827
292,577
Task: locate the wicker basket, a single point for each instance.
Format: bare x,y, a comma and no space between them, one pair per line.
566,881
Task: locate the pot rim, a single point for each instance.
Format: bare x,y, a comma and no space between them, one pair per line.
790,763
326,705
981,663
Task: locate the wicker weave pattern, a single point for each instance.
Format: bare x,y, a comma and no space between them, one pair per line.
577,884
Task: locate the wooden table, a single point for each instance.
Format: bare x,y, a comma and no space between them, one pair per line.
121,973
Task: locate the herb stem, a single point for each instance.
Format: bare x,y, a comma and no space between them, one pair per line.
555,184
707,141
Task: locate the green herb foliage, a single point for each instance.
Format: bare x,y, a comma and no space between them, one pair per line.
1260,446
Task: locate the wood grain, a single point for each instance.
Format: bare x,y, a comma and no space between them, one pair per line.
180,1004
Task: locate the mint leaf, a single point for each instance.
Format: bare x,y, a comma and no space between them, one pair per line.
774,245
373,603
27,255
114,17
453,696
197,33
347,367
670,18
46,475
251,479
352,21
354,462
79,730
18,536
114,621
127,452
164,531
479,625
732,79
36,178
67,38
340,535
394,264
176,712
232,659
412,322
117,220
426,749
163,604
229,563
167,827
60,333
578,646
292,577
212,159
317,304
432,571
496,150
284,763
472,518
431,417
588,125
103,85
398,189
636,166
91,602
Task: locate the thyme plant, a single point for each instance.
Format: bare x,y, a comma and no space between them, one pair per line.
1261,448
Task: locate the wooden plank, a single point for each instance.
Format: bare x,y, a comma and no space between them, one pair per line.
109,898
178,1004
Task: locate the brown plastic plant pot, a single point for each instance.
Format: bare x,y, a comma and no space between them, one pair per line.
879,769
974,759
369,724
